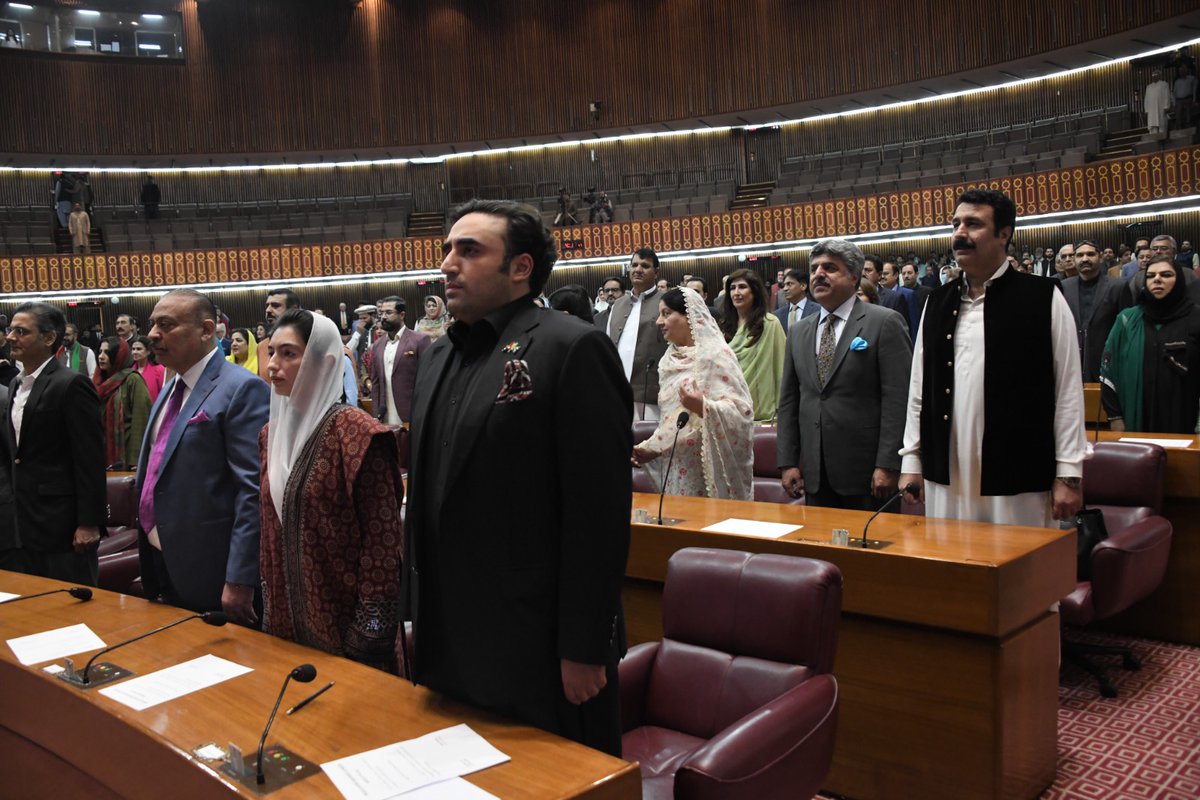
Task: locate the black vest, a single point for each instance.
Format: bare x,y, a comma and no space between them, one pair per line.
1019,453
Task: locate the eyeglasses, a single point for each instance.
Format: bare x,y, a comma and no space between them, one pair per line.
22,332
611,291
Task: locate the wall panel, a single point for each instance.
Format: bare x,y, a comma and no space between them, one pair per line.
265,76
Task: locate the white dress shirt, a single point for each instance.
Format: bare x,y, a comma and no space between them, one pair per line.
842,315
21,397
389,361
627,344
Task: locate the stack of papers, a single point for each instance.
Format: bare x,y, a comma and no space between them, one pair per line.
172,682
751,527
58,643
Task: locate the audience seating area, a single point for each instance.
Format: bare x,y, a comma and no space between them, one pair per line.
1069,140
757,636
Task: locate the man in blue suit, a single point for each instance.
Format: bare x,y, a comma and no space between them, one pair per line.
799,305
198,472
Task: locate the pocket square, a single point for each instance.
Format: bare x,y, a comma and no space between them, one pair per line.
859,343
202,416
518,383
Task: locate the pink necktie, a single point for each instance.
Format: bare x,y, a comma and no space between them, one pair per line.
170,413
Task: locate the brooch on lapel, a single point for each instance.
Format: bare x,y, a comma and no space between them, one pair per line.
859,343
517,384
511,347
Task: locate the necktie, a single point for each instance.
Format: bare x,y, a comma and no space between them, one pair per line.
825,351
796,312
154,464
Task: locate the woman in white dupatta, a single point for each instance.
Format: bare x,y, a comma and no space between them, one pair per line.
699,374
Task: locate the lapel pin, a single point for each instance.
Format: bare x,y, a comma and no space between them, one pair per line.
512,347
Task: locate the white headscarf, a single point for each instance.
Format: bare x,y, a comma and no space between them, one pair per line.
295,418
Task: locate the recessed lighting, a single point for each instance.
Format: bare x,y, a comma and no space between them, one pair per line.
152,17
82,43
21,6
85,12
149,47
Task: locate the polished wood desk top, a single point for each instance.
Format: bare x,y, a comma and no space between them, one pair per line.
138,752
968,576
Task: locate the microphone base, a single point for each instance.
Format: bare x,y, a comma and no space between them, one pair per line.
101,674
666,521
872,544
281,766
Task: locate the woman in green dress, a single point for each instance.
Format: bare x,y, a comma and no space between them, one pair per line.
757,339
124,403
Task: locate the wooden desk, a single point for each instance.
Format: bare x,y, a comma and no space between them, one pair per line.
58,741
948,656
1172,612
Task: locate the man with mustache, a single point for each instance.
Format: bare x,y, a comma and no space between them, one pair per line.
1092,297
970,440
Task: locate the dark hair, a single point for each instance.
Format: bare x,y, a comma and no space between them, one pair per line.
758,312
869,289
290,298
648,254
573,299
674,300
202,304
145,342
1090,243
620,279
703,283
296,318
47,318
798,274
245,332
875,260
525,234
392,298
114,347
132,319
1004,211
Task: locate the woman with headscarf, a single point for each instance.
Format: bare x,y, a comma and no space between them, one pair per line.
436,319
330,552
124,403
1150,370
146,364
757,339
243,349
699,374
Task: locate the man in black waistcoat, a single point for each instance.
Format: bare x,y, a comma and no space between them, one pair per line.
982,373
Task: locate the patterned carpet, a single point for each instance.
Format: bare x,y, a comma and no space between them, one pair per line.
1142,745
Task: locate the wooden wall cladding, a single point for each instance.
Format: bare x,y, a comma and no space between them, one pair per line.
1129,180
299,75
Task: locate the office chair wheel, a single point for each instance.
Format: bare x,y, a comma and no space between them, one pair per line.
1128,661
1107,689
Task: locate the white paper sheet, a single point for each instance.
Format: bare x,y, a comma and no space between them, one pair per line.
7,596
172,682
751,527
1159,442
404,766
49,645
453,789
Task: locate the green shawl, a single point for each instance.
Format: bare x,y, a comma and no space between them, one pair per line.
1121,368
762,365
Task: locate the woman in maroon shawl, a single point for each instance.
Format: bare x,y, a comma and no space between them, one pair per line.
124,403
332,539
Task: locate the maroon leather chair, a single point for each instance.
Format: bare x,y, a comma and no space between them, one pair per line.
1125,481
643,430
767,477
736,701
117,552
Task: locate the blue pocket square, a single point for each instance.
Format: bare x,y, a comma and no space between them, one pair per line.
859,343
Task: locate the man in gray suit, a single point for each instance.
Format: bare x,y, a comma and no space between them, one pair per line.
798,304
1093,298
198,473
844,394
631,326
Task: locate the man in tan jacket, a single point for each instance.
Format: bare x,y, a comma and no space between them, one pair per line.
80,226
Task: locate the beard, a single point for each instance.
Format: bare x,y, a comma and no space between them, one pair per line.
389,325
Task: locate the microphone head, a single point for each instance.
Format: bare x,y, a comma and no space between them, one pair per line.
683,419
304,673
913,490
216,618
80,592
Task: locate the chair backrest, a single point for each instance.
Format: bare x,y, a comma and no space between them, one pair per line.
739,629
643,430
1125,479
766,464
122,501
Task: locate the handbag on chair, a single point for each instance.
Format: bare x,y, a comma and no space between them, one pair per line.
1090,531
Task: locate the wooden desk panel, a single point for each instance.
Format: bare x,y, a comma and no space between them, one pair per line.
947,657
134,754
1172,611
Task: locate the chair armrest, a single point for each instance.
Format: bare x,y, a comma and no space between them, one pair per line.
1129,565
783,749
633,674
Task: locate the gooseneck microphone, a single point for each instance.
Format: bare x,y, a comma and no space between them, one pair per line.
211,617
646,387
911,488
78,592
679,423
301,674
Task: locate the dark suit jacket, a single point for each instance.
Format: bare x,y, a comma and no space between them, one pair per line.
8,518
527,563
58,469
888,298
1093,331
784,313
206,499
404,373
650,344
856,420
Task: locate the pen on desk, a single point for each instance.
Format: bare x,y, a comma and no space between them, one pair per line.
310,698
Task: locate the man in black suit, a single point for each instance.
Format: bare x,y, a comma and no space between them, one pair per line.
54,436
520,421
908,279
1093,298
873,271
